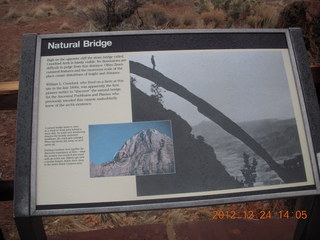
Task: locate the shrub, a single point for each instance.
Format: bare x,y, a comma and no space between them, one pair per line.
71,6
13,13
160,18
266,14
207,18
202,6
229,22
215,18
43,10
254,21
4,1
154,15
112,14
235,9
188,20
240,9
173,22
23,19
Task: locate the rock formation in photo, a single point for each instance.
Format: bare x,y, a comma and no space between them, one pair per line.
147,152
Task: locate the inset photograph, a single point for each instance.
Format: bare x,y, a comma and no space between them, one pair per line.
137,148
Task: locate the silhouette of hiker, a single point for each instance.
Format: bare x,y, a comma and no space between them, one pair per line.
153,62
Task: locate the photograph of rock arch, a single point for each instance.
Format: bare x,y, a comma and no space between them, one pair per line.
233,120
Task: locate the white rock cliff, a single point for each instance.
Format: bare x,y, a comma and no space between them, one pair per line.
146,153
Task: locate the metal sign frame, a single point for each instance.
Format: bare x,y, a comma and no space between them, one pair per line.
28,110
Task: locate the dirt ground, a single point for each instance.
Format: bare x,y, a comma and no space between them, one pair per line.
61,16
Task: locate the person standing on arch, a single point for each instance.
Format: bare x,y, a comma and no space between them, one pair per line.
153,62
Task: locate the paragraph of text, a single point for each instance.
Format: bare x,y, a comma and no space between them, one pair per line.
62,134
81,93
74,66
64,156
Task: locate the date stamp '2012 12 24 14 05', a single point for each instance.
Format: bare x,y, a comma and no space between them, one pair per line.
261,215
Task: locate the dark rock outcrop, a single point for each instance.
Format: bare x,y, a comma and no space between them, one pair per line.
197,168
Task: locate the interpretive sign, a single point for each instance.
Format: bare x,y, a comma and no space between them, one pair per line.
143,120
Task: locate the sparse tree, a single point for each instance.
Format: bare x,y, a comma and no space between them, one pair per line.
113,14
157,93
249,170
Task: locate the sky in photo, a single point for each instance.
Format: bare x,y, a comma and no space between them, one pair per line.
105,140
244,85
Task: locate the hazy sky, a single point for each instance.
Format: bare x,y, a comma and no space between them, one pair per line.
106,140
244,85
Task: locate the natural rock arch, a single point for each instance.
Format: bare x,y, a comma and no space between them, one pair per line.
212,113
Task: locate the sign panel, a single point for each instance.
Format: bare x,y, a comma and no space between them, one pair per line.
131,121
